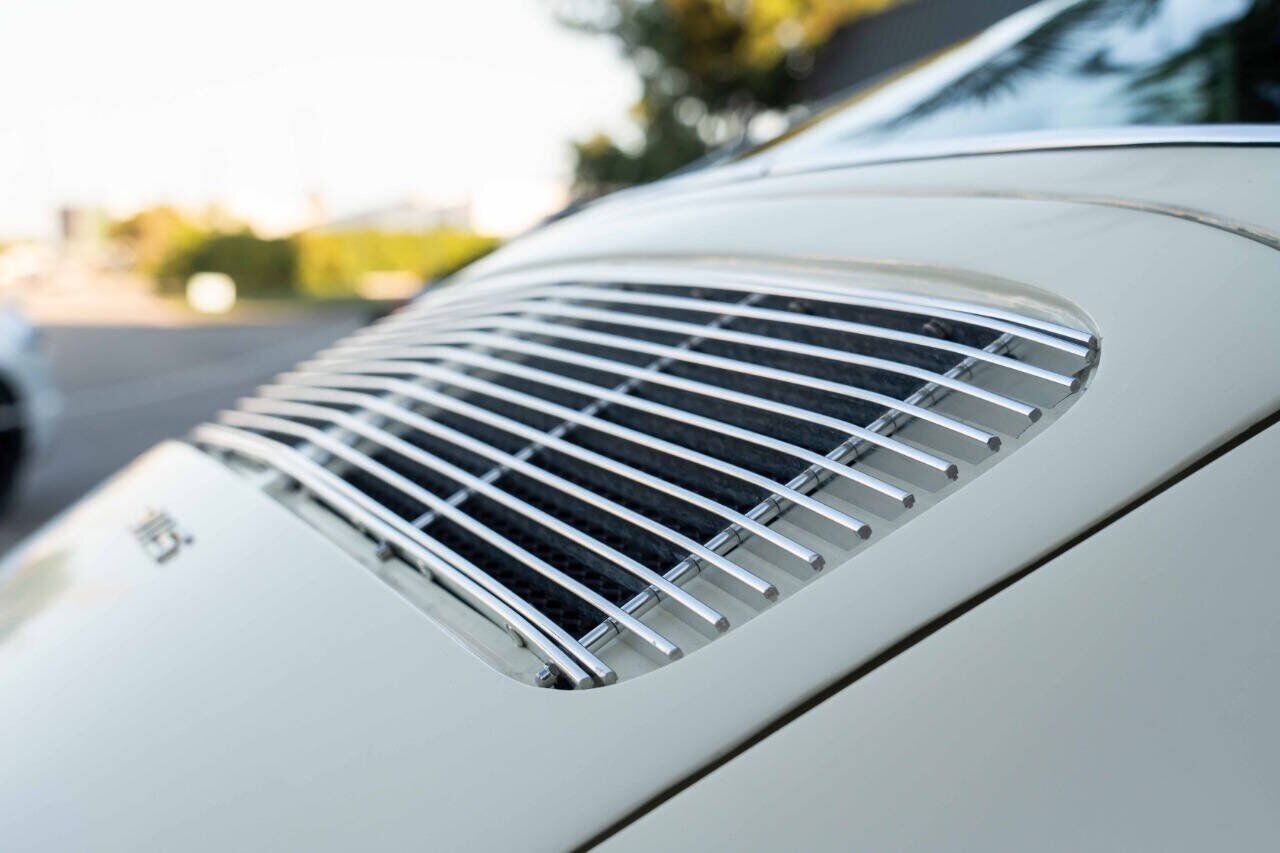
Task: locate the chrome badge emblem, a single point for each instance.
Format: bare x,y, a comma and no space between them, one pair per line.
160,536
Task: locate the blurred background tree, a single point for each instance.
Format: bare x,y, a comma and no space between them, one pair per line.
259,267
334,263
712,73
169,246
154,235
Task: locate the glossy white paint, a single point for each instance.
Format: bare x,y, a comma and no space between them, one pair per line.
269,691
839,157
1123,696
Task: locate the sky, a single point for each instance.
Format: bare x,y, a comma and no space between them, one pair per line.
255,104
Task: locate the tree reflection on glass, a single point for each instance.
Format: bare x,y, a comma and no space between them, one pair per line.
1114,62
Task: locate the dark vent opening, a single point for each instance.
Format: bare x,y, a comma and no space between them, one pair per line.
549,393
521,414
574,371
802,433
573,560
472,463
389,496
688,520
694,292
696,478
641,312
951,330
563,608
643,547
427,478
618,353
501,439
669,339
939,361
857,412
753,457
870,379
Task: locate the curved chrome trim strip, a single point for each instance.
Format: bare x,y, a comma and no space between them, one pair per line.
619,368
1020,142
341,379
273,416
1074,139
1031,142
693,607
720,363
419,549
805,555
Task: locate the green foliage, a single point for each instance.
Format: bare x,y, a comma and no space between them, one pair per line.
706,68
155,235
601,165
332,263
259,267
169,247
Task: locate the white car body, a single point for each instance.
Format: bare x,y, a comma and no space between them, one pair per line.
264,689
1071,646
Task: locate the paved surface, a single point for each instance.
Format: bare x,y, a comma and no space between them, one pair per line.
130,386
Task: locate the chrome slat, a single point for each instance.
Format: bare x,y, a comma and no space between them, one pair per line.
625,400
269,423
749,581
487,595
805,480
641,321
696,609
686,303
1043,332
801,553
716,392
678,451
398,387
744,368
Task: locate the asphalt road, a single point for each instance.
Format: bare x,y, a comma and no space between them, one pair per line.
128,387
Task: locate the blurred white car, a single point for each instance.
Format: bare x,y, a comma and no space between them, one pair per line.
29,401
909,483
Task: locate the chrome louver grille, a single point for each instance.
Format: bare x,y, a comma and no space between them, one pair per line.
566,457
